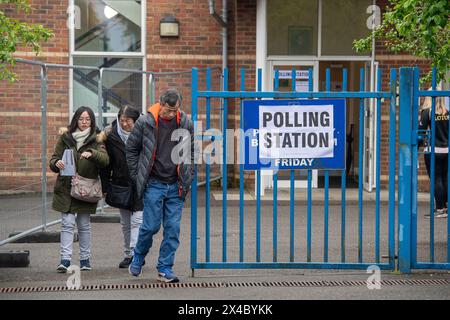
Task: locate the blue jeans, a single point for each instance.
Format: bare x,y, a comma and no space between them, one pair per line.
162,204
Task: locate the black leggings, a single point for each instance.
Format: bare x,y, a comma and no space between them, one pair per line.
440,181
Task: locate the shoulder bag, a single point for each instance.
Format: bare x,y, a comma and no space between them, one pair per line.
85,189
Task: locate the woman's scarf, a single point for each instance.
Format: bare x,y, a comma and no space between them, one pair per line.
122,133
81,136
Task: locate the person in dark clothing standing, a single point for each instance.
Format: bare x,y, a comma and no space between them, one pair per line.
116,182
161,179
440,150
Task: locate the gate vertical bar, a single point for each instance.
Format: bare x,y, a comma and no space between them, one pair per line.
360,165
194,103
292,193
405,166
224,170
414,161
325,218
44,144
275,193
392,162
241,173
448,192
378,171
258,192
309,196
432,166
207,175
327,186
343,182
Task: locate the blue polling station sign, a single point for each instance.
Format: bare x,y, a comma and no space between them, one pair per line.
294,134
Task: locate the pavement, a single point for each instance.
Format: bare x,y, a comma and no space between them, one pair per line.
106,281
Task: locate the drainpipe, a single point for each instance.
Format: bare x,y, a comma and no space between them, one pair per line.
223,21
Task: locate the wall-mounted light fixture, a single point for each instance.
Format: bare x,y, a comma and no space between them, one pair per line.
169,27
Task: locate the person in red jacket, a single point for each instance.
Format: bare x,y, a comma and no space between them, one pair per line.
162,181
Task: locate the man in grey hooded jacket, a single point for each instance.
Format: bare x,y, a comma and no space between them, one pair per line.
160,157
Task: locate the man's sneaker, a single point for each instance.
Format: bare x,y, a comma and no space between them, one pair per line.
167,275
85,265
136,264
63,266
125,263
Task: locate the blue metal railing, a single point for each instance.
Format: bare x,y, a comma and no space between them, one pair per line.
408,243
243,261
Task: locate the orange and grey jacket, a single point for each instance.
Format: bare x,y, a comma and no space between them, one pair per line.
141,151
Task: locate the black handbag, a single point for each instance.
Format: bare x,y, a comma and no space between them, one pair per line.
119,196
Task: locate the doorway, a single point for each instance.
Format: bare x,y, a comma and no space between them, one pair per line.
302,85
352,119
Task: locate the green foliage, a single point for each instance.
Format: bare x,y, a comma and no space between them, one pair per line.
14,33
417,27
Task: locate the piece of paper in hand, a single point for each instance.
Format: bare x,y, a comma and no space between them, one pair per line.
69,163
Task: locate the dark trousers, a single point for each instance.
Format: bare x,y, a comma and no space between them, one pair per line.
440,181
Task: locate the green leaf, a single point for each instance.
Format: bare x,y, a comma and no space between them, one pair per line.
13,34
418,27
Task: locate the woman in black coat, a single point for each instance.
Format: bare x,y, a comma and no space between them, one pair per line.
440,153
116,180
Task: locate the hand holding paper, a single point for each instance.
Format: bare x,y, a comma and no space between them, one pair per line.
68,162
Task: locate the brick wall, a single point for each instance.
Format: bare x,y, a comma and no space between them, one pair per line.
20,119
199,45
387,61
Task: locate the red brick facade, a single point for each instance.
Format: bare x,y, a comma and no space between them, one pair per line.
199,45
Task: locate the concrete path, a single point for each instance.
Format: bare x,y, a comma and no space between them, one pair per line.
272,284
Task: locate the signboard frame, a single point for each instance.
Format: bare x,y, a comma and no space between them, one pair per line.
250,118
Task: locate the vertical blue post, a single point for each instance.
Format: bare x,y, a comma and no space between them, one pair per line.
292,191
275,194
292,216
378,173
392,162
258,192
208,175
343,182
241,175
432,165
308,218
309,200
325,217
224,170
361,164
414,161
405,168
194,102
448,219
327,187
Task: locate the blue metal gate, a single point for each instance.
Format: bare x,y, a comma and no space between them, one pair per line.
408,151
414,245
204,241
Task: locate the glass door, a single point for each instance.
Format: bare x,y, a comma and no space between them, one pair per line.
285,84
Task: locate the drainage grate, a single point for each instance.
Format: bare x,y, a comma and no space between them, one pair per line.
299,284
